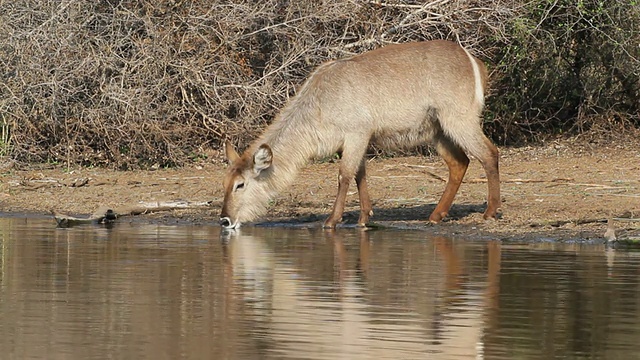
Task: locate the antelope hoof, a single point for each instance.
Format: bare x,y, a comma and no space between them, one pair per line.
330,224
490,215
364,220
436,218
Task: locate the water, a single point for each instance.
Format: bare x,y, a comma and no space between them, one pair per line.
137,291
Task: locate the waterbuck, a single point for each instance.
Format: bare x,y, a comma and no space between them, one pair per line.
396,96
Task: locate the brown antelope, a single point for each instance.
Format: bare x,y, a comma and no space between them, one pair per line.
396,96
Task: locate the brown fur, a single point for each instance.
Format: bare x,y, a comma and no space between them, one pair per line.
396,96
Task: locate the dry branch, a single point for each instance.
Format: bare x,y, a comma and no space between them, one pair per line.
518,180
625,217
128,84
559,223
106,214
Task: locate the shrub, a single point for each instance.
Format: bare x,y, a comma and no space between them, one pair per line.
135,84
568,66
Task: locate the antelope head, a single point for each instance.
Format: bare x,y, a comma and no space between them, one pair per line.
246,185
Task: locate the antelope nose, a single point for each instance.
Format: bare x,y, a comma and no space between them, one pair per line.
225,221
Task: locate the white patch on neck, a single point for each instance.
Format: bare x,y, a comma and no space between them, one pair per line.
477,78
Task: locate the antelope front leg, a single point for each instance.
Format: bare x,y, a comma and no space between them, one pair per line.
366,209
338,206
352,163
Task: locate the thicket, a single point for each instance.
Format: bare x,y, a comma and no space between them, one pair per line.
134,84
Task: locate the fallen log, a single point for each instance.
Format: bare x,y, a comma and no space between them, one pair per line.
106,215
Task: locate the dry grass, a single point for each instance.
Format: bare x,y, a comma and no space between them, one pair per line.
139,84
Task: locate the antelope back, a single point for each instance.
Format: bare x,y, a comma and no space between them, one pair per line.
400,96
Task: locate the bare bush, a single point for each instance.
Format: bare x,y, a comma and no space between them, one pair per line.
132,84
568,67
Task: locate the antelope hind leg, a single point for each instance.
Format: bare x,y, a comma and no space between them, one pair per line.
490,164
457,161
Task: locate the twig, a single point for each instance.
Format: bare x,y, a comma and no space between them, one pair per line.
418,166
517,180
404,6
558,223
105,214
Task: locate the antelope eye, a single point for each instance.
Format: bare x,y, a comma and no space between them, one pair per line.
239,186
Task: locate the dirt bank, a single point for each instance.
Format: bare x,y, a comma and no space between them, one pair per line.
547,191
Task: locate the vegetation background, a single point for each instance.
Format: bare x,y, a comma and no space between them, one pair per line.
137,84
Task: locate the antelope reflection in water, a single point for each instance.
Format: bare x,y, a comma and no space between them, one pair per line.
333,297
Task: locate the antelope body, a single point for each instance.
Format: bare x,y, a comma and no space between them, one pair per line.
396,96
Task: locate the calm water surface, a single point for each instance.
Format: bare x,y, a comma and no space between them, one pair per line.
137,291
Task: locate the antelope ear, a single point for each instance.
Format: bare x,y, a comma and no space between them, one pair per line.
230,152
262,158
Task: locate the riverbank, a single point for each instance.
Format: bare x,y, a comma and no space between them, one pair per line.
561,190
